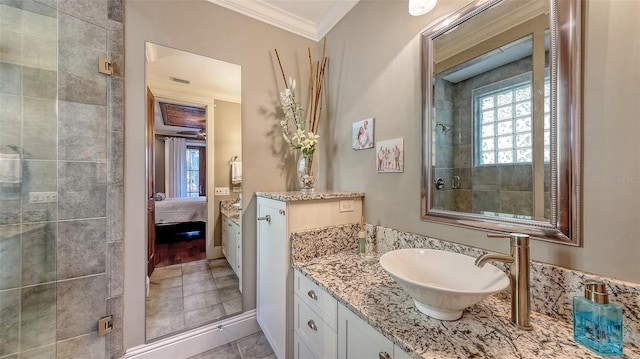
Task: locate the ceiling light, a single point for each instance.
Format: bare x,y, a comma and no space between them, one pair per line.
421,7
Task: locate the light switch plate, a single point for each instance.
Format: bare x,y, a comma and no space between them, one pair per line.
221,191
347,205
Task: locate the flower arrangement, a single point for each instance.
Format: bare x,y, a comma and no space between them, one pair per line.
305,138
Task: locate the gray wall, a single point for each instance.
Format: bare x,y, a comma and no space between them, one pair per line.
206,29
375,71
227,144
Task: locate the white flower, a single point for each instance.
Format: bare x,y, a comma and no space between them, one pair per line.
300,139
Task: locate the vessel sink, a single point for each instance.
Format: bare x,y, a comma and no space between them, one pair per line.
442,284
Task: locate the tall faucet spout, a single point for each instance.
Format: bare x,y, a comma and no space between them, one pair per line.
518,275
483,259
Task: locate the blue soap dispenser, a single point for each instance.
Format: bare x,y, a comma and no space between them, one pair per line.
597,324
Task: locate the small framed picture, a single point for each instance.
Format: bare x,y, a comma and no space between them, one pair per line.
362,134
390,155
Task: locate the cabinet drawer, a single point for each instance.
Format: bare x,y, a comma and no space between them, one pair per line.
318,336
301,350
317,298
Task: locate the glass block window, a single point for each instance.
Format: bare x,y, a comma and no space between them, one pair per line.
193,172
504,127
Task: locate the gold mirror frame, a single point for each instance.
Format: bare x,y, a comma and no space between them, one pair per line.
564,225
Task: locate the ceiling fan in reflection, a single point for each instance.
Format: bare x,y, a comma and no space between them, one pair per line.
200,135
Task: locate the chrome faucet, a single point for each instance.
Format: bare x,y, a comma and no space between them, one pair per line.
519,276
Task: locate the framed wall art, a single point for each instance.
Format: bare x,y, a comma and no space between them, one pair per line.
390,155
362,134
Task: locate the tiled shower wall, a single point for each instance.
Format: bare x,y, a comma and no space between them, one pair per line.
500,188
61,262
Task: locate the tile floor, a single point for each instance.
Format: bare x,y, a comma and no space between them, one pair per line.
254,346
186,295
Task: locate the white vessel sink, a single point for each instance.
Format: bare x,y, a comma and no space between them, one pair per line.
442,284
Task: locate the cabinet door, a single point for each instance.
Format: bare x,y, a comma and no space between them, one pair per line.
225,237
239,255
272,269
300,349
357,339
231,244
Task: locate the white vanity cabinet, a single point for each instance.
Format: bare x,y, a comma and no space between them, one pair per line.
323,328
315,320
278,216
358,339
232,246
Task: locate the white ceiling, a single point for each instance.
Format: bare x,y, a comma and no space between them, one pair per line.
209,79
309,18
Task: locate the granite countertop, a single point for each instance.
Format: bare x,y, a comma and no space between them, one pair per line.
485,331
297,196
232,214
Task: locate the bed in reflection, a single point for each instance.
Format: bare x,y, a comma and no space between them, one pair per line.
180,210
180,229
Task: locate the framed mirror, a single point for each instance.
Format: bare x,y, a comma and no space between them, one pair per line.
194,184
501,107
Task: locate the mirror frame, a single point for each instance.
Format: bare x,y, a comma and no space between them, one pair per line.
564,226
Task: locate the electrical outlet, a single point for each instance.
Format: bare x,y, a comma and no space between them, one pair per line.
347,205
43,197
221,191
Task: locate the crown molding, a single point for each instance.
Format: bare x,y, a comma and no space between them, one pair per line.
287,21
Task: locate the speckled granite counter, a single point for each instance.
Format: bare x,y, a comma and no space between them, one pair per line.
484,331
297,196
228,209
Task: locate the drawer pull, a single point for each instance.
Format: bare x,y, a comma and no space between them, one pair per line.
265,218
312,295
384,355
312,325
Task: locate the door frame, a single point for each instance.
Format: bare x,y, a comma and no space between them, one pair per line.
162,93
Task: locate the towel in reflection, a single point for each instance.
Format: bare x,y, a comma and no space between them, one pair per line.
10,168
236,172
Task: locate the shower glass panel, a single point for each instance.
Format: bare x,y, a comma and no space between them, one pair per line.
28,178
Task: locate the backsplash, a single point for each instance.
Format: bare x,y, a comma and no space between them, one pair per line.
552,287
227,204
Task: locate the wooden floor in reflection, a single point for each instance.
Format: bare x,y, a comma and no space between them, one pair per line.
180,243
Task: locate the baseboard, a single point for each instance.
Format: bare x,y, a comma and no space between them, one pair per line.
216,253
196,341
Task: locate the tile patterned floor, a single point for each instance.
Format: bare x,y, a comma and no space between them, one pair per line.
186,295
254,346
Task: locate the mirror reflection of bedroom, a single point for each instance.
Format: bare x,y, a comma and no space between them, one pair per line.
194,259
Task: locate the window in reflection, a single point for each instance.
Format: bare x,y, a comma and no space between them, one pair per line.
503,128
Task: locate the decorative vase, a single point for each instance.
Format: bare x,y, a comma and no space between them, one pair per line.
305,175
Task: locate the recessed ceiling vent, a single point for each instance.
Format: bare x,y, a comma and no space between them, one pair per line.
182,81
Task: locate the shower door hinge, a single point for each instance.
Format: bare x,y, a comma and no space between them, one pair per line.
104,66
105,325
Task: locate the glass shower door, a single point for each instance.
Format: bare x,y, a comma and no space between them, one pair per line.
28,178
